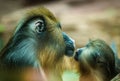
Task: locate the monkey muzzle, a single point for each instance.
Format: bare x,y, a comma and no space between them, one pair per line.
78,53
70,45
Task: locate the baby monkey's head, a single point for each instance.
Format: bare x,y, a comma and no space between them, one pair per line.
96,56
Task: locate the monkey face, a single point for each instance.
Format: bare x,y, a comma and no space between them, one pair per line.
96,55
86,58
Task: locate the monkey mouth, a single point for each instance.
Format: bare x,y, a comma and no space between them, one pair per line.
70,51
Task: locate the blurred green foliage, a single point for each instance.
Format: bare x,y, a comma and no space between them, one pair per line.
70,76
2,28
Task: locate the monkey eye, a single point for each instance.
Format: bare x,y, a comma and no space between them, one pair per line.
40,27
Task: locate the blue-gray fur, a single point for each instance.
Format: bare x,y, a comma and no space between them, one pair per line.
21,50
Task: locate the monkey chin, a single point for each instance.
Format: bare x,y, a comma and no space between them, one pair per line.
96,61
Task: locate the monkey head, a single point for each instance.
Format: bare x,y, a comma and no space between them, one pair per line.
38,36
96,56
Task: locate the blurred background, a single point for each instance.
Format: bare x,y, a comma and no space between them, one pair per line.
80,19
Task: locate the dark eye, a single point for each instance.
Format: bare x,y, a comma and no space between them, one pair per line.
40,27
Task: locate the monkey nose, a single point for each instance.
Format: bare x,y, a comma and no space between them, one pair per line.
78,53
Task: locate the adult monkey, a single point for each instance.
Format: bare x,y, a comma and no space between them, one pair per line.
97,62
38,41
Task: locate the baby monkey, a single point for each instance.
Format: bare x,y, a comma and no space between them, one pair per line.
96,61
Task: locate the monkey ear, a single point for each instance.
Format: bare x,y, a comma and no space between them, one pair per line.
36,23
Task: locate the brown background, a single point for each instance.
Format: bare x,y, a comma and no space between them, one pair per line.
80,19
